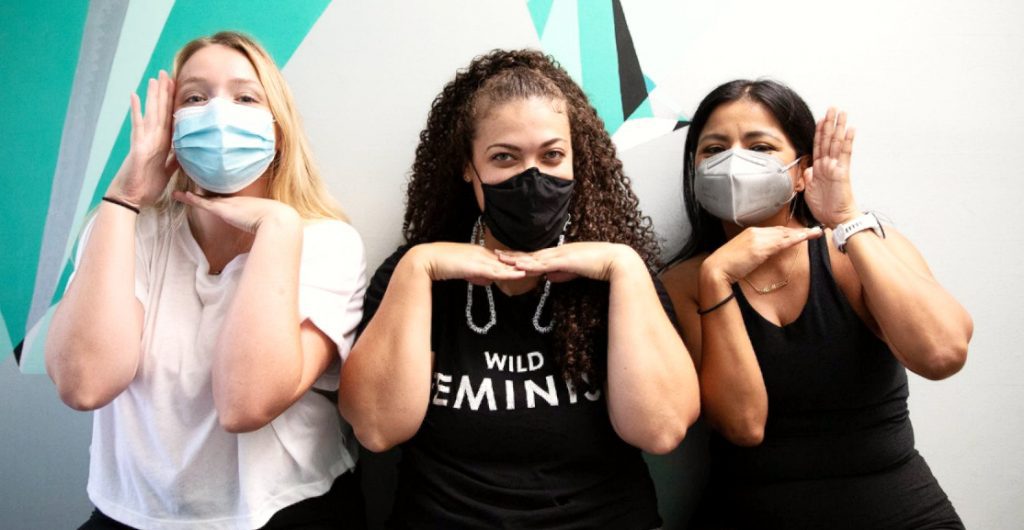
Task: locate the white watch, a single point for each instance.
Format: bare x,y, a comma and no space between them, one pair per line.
842,232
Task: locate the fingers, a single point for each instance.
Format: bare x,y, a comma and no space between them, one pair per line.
819,131
152,102
165,99
136,113
839,134
484,272
794,236
846,152
828,129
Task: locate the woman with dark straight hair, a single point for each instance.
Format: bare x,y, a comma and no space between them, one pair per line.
802,314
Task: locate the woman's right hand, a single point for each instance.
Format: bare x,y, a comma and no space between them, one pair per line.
753,246
149,165
462,261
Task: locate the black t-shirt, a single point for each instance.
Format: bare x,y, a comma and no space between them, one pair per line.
506,441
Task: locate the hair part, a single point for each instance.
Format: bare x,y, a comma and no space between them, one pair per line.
796,121
441,206
294,178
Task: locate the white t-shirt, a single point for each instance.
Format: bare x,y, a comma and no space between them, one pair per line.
159,457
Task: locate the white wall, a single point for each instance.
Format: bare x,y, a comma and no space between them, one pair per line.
933,88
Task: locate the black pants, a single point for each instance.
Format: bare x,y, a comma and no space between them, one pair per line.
341,507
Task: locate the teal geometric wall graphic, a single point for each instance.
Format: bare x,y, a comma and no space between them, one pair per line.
539,11
643,111
649,83
40,53
600,58
592,41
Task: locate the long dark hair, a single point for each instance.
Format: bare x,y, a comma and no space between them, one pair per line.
441,206
797,122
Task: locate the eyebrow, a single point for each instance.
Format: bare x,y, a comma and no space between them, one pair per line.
748,136
233,81
511,147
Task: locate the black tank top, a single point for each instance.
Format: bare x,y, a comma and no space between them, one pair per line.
838,449
837,397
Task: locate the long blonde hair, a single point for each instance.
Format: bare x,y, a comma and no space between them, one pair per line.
294,178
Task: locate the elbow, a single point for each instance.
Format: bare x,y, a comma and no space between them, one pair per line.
79,393
240,422
374,440
83,399
373,434
745,431
745,436
237,419
665,441
943,362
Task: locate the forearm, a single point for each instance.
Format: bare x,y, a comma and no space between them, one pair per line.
385,382
258,359
732,387
652,385
926,327
93,344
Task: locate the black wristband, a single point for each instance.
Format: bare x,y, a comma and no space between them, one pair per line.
119,202
724,301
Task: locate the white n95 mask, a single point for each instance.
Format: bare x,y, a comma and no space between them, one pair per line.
224,146
743,186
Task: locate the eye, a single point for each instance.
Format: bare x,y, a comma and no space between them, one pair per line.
712,149
763,148
502,157
193,99
246,98
554,155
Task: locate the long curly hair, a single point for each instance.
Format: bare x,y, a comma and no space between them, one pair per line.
441,206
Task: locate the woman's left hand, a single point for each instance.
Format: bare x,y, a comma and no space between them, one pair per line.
827,183
244,213
594,260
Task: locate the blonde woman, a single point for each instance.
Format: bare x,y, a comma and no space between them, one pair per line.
215,291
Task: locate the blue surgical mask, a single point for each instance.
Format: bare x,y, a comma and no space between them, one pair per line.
224,146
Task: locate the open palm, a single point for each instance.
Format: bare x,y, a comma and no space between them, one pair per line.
828,191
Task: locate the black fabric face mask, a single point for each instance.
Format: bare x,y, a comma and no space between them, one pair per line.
528,211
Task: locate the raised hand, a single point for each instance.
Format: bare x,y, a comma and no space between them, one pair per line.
594,260
738,257
827,183
148,166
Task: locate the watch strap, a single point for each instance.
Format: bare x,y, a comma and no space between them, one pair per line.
842,232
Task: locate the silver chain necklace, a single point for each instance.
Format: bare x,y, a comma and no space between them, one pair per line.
478,239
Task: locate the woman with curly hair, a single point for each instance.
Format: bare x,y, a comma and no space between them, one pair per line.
517,346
